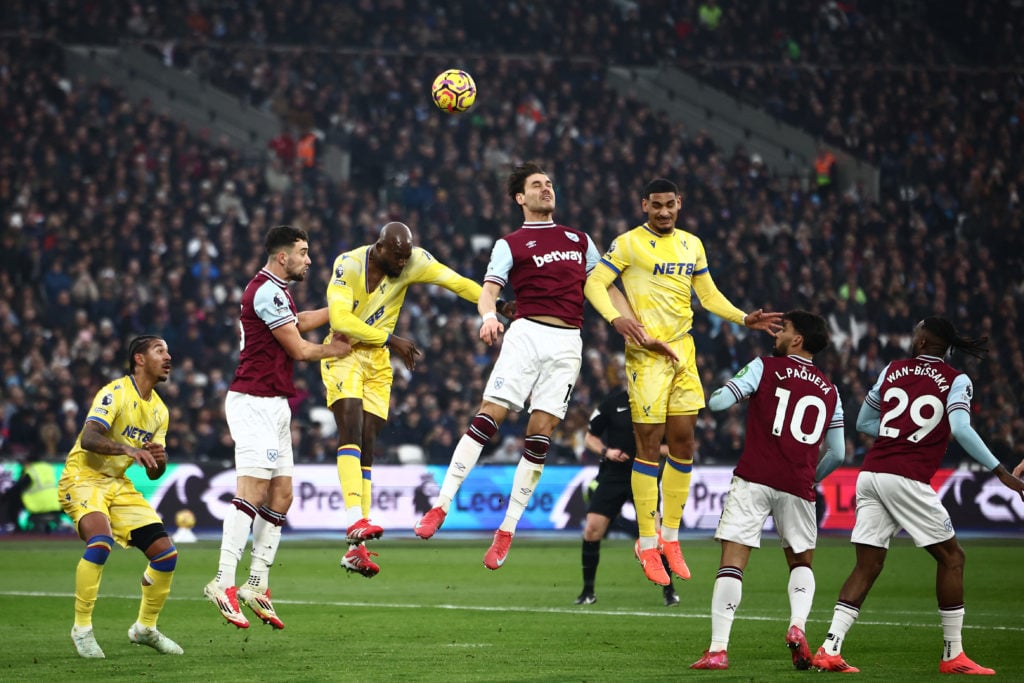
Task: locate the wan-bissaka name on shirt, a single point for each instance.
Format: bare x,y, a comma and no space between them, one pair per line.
923,370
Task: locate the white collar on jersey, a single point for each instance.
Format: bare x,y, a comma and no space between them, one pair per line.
539,224
273,277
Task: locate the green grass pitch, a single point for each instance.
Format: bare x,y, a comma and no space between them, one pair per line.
436,614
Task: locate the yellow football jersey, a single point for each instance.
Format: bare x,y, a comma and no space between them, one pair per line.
370,316
128,419
657,271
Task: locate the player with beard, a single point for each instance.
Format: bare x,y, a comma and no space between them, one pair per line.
793,408
547,265
259,418
660,265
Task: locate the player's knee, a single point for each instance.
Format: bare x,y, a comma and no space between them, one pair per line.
871,566
145,536
954,558
97,549
683,449
350,436
280,500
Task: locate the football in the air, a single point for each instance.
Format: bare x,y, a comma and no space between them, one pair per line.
453,91
184,519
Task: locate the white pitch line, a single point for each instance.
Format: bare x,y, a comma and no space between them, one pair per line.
588,611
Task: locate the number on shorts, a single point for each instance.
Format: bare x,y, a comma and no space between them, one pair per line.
925,425
797,419
568,392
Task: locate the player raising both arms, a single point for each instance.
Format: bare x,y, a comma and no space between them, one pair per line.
365,296
540,358
912,409
659,265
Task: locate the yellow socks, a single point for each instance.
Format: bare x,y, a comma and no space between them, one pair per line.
675,487
350,476
644,481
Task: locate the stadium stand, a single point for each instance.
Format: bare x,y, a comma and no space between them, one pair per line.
116,219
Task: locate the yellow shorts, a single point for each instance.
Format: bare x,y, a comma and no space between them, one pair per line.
659,387
116,497
364,374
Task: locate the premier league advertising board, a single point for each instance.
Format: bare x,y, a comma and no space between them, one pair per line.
976,501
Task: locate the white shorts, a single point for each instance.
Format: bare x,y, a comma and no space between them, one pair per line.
887,503
537,362
262,429
747,507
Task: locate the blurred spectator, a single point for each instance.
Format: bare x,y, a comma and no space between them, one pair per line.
163,249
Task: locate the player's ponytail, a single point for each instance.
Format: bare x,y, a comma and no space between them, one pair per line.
944,330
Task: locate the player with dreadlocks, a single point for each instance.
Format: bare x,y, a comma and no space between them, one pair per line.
126,425
912,409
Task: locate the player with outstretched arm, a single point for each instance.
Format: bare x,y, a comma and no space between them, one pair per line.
793,408
546,264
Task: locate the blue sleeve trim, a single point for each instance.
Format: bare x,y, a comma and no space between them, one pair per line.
93,418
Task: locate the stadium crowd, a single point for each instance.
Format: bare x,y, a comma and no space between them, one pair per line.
116,220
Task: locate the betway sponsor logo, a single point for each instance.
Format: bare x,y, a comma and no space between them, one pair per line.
553,256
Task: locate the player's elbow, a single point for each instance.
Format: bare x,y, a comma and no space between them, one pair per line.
867,424
720,400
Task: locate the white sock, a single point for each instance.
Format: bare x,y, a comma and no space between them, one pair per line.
725,600
266,538
669,535
842,620
523,484
464,459
232,544
353,514
952,626
648,542
801,595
